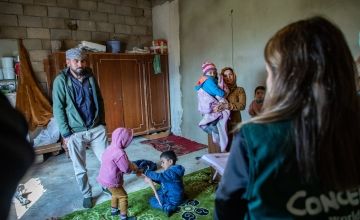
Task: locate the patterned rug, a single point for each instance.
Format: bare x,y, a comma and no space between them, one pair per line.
178,144
199,205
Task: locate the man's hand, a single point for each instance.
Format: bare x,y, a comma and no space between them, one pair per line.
66,139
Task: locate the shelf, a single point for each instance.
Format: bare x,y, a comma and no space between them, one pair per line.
8,85
7,80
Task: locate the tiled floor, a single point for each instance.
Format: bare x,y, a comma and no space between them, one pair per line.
53,190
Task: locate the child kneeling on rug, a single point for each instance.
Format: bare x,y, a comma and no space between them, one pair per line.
171,193
114,163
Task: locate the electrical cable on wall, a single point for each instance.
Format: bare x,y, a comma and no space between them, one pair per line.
232,38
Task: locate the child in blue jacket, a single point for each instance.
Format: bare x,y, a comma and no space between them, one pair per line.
171,192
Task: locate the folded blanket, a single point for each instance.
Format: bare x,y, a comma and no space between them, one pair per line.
206,104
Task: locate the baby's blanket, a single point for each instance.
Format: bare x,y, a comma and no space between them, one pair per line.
206,104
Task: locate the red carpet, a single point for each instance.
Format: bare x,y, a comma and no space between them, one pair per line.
178,144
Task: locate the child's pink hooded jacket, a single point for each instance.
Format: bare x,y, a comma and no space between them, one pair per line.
114,161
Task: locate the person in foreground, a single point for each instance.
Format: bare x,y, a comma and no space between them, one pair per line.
17,155
79,111
299,159
171,193
115,163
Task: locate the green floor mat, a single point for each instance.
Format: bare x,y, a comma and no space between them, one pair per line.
199,204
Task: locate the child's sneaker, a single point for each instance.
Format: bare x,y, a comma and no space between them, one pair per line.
169,210
169,213
115,211
124,217
87,203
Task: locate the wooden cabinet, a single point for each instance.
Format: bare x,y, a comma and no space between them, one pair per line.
52,66
156,85
122,84
134,96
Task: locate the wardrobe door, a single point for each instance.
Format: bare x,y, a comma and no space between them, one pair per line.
157,94
121,81
107,72
134,97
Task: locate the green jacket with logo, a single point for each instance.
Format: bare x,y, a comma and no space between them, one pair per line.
262,180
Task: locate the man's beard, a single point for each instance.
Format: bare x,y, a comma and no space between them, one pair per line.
79,71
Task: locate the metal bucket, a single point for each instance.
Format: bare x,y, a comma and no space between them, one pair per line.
113,46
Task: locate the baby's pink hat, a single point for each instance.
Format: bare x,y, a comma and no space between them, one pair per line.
207,66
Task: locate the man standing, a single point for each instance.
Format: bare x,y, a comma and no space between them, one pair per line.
79,111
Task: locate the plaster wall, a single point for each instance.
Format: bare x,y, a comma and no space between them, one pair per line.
206,34
165,18
9,47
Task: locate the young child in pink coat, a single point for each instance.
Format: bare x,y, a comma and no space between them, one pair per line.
114,164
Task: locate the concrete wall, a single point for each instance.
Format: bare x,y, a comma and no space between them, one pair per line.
166,26
205,33
40,22
8,48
